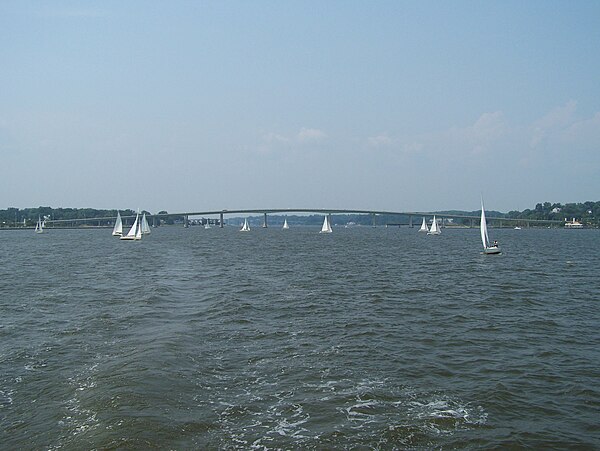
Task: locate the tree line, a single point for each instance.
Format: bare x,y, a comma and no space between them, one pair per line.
586,212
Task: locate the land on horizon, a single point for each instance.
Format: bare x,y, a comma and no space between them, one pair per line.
587,212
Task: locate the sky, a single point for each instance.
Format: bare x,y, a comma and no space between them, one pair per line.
380,105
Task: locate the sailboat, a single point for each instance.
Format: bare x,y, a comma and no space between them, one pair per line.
207,225
285,224
135,233
245,227
326,226
487,248
435,230
424,227
118,229
39,227
145,228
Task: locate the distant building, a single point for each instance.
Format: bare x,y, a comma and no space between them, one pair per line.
573,224
556,210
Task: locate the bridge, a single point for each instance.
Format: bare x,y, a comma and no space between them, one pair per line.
325,211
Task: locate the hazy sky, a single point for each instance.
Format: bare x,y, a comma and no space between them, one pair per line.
391,105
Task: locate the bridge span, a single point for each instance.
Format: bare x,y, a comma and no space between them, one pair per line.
325,211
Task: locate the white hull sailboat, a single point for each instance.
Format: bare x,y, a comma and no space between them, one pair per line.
285,224
39,227
326,228
487,247
245,227
424,227
118,229
135,233
435,230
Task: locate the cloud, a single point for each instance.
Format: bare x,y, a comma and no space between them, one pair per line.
480,136
271,142
454,145
584,131
274,138
380,140
555,120
310,135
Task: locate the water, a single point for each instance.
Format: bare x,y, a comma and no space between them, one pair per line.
360,339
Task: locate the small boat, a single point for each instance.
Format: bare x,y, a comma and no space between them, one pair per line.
517,228
245,227
118,229
39,227
135,233
573,224
207,225
488,248
326,228
285,224
145,228
424,227
435,230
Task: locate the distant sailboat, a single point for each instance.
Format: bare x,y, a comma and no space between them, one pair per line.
118,229
135,233
435,230
487,248
326,226
207,225
245,227
39,227
145,228
285,224
424,227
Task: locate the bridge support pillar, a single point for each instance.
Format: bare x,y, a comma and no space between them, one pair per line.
373,220
410,222
221,220
186,222
265,225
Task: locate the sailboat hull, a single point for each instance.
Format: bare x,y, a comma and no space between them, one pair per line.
492,250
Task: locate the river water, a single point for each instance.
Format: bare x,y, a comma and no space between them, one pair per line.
365,338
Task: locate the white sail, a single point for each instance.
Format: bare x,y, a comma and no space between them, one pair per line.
285,224
435,230
138,232
245,227
39,228
145,227
133,232
483,228
326,228
134,227
488,248
207,225
424,227
118,229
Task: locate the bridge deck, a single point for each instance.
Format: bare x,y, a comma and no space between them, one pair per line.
309,210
